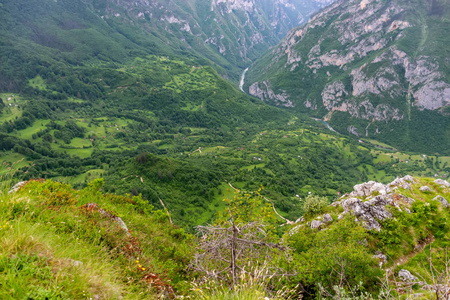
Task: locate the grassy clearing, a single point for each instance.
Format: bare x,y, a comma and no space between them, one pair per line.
83,153
379,144
82,178
10,112
28,132
11,161
38,83
80,143
253,167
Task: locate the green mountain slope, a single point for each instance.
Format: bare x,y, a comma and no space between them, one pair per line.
75,117
57,243
62,243
228,33
374,68
40,33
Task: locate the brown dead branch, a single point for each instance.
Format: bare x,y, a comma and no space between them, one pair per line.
225,251
167,211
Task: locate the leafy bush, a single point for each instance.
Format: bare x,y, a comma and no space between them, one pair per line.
314,204
333,257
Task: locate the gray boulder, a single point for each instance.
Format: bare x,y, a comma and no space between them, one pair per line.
368,188
369,211
425,188
316,224
405,275
441,199
408,178
443,183
17,186
327,218
404,183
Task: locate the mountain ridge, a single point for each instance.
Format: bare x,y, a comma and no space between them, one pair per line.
376,71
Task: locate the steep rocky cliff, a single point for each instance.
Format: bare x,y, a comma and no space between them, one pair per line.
363,64
231,33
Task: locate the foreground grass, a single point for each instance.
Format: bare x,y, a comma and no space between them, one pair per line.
54,246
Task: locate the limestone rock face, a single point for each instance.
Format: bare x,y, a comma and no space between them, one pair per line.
425,188
443,183
263,91
316,224
405,275
327,218
441,199
351,60
369,211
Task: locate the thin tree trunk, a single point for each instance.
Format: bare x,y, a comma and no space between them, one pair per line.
233,253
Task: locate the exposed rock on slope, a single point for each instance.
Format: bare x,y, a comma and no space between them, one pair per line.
402,230
237,30
372,201
362,63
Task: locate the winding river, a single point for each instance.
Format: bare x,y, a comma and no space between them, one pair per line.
326,124
241,83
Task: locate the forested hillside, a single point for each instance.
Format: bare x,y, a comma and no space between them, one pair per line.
87,97
38,34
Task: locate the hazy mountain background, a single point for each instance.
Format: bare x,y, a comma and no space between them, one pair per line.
227,34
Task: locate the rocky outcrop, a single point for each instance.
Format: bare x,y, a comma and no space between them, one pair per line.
404,183
264,92
327,218
316,224
358,57
425,188
378,196
442,183
369,188
405,275
371,203
442,200
369,211
17,187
